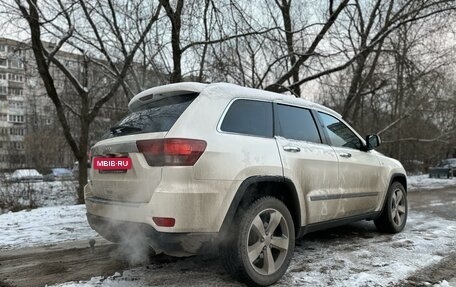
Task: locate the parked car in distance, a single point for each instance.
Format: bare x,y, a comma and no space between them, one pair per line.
26,175
445,169
195,166
58,173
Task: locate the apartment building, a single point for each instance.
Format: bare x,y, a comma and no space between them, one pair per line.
12,104
29,130
27,117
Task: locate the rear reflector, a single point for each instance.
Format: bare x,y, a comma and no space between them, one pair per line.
164,221
171,152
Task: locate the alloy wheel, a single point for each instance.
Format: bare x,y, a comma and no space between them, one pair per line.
268,241
398,208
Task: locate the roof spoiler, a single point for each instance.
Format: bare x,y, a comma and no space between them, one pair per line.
161,92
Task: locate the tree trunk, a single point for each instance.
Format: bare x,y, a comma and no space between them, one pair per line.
287,23
82,178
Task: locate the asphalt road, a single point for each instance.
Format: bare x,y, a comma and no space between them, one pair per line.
443,204
75,261
440,202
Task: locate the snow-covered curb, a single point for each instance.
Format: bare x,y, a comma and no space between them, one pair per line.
44,226
423,182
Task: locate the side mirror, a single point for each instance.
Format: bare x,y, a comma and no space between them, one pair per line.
372,141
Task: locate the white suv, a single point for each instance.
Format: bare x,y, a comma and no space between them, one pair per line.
200,165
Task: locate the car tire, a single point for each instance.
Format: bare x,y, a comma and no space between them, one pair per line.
255,255
394,214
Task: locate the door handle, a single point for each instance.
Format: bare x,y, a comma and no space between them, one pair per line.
345,154
291,148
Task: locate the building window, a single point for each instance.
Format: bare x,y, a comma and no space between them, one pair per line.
15,104
16,145
3,90
15,77
2,48
16,119
3,62
15,91
16,64
16,132
2,76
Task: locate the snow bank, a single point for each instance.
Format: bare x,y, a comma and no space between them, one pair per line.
37,193
423,182
44,226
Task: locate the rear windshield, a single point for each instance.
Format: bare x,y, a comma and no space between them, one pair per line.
157,116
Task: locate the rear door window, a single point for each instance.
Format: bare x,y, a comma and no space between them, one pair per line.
157,116
249,117
296,123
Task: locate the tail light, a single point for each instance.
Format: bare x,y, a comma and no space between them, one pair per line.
171,152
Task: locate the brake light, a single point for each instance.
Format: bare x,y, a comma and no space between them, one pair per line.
171,152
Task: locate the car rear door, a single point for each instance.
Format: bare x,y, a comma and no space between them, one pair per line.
360,179
310,163
130,140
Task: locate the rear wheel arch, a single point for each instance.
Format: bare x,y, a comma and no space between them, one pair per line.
256,187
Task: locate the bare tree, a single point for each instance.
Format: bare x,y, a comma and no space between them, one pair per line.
374,22
278,85
107,34
401,89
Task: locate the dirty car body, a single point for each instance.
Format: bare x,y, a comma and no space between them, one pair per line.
195,166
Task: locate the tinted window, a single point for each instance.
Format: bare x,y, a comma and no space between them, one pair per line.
296,123
249,117
339,134
157,116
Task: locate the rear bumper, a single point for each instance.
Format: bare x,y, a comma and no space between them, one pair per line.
197,207
177,244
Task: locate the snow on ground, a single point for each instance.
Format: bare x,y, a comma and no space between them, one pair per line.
377,259
40,193
423,181
356,255
44,226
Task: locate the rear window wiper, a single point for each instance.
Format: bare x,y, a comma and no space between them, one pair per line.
124,128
